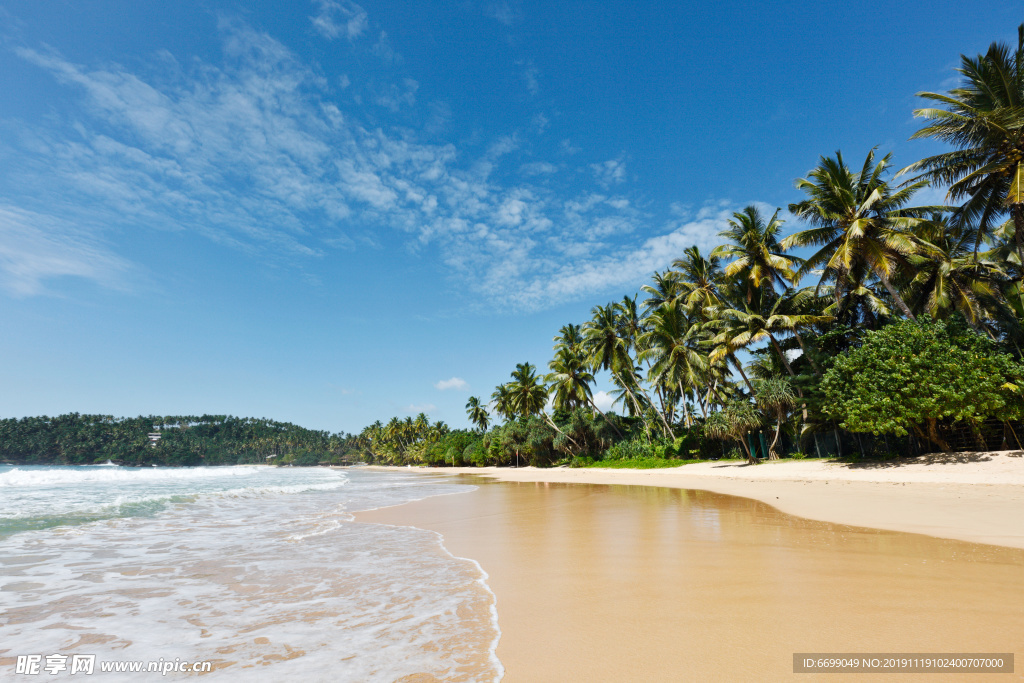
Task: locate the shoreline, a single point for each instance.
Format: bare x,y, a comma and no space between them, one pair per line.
973,497
652,575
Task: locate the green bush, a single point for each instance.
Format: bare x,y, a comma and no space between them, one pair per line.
909,376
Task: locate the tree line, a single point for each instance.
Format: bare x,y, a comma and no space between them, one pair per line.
185,440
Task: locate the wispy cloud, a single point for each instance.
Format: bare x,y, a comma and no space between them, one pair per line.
502,12
453,383
35,248
339,17
419,408
611,172
254,153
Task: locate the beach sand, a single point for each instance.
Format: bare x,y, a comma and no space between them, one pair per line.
626,575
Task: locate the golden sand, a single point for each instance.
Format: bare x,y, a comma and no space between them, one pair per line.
648,583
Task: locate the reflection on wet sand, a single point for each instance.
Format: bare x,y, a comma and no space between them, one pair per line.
598,582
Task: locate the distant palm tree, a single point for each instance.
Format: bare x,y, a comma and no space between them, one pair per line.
858,221
477,413
527,394
983,120
670,345
501,399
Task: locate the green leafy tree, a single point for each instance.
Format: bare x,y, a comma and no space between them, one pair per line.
910,376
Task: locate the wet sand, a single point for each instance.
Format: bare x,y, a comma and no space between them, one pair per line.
647,583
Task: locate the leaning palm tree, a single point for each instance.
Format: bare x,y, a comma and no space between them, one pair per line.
983,120
607,348
477,413
569,382
857,220
758,261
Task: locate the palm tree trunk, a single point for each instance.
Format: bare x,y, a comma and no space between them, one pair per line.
782,356
772,453
610,423
1017,211
555,427
739,367
895,295
800,341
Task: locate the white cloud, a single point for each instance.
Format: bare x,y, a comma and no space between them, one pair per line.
501,11
611,172
339,17
35,248
419,408
453,383
604,400
535,168
253,153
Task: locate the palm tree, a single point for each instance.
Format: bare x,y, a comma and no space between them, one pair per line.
607,349
983,119
701,278
527,395
477,413
569,337
667,288
502,401
758,261
950,276
858,221
736,419
569,380
670,346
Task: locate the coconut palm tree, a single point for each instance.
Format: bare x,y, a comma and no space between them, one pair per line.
569,337
701,278
501,399
477,413
757,256
950,276
670,346
983,119
858,221
527,395
666,288
569,380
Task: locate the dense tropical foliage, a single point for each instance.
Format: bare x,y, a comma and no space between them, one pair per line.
75,439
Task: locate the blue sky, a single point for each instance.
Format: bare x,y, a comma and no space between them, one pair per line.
328,213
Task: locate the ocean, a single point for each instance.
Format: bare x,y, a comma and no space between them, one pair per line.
259,571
